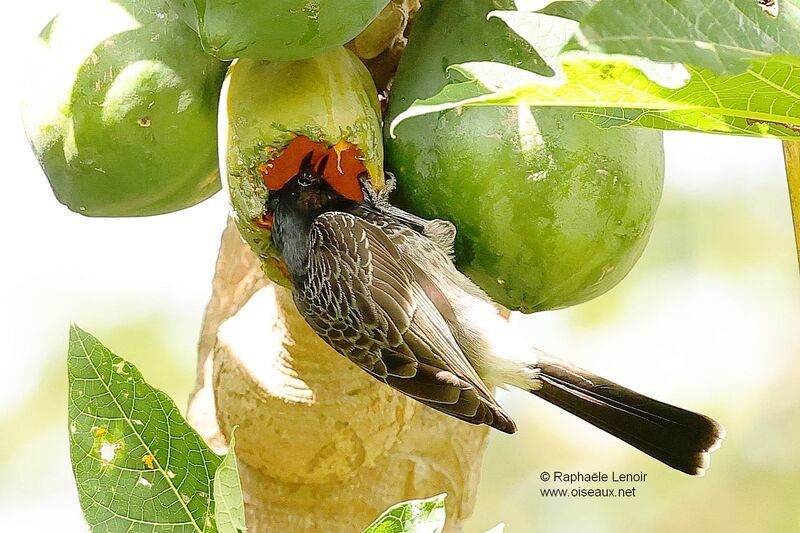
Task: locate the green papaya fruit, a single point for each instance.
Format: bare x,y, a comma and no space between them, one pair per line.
120,107
276,29
550,210
276,112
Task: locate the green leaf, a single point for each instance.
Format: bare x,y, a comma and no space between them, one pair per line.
550,35
138,465
570,9
229,503
720,36
741,73
760,102
547,34
414,516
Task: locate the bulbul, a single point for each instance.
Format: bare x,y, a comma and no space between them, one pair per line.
380,287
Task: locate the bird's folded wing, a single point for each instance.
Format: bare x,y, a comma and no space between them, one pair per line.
379,309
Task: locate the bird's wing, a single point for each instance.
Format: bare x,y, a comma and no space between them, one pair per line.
381,310
395,221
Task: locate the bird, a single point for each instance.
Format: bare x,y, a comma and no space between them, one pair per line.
380,286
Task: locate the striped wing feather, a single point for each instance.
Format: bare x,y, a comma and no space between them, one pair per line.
373,305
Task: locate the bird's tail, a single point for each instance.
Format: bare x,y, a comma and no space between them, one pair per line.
676,437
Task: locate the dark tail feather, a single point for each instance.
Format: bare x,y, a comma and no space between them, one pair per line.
676,437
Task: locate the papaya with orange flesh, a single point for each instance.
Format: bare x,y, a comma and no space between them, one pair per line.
276,113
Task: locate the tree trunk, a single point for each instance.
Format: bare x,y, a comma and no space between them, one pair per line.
322,446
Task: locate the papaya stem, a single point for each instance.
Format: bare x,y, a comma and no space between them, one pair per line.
791,152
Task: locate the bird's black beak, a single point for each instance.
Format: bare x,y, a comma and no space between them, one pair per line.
322,164
305,165
307,175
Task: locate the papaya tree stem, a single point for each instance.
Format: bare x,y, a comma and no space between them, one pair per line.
321,445
791,152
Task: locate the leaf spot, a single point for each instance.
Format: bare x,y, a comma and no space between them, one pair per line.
108,451
119,368
148,460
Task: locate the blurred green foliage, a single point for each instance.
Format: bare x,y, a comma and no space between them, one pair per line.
162,346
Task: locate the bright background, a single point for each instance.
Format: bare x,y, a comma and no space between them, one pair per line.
707,320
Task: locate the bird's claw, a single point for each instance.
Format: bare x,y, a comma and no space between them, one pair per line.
378,199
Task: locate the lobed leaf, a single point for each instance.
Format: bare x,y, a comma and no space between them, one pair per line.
761,99
720,36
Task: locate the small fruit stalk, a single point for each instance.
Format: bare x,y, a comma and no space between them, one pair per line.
275,113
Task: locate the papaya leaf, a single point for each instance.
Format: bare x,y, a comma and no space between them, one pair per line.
569,9
762,99
550,35
547,34
720,36
414,516
138,465
229,503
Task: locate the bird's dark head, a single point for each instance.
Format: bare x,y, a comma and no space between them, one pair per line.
294,207
307,194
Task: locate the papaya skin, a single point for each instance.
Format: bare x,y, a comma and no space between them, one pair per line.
274,113
276,29
120,109
550,210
